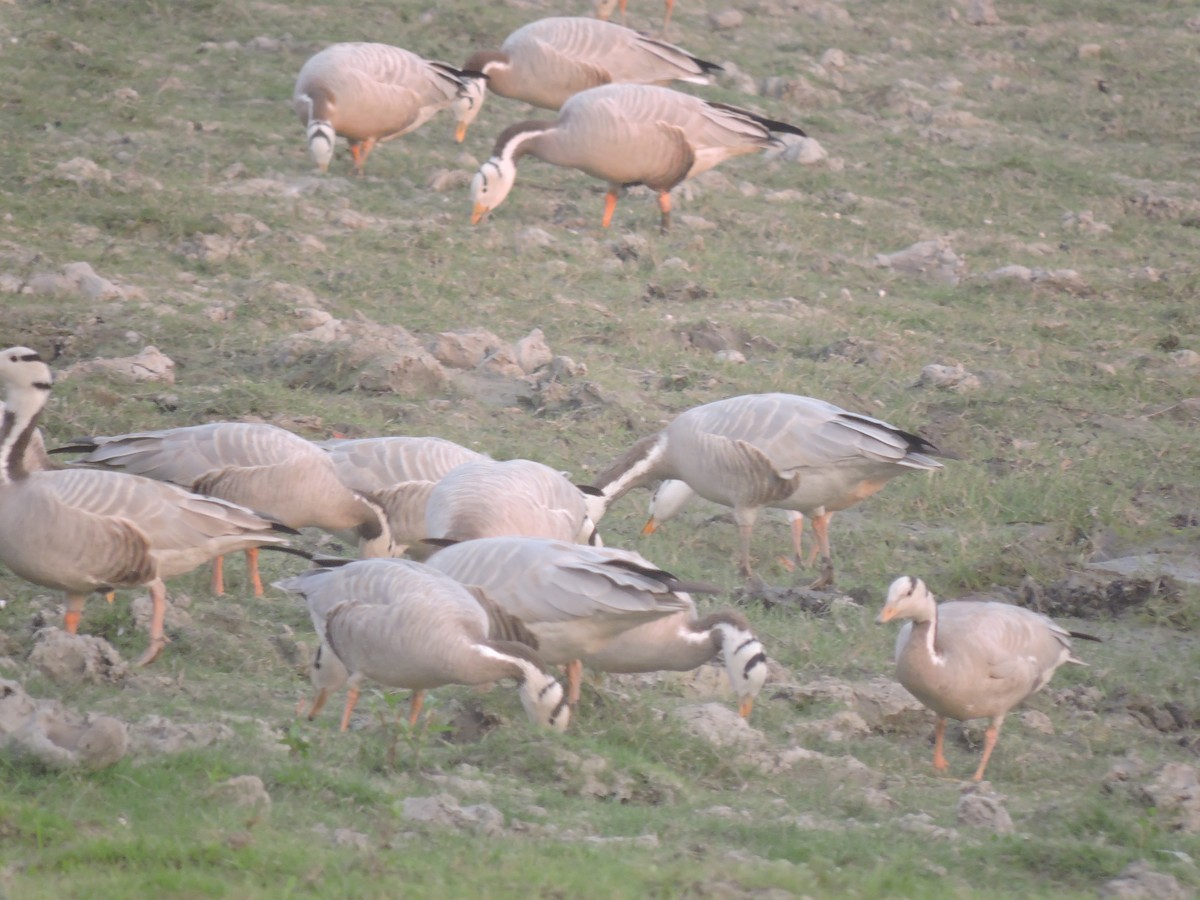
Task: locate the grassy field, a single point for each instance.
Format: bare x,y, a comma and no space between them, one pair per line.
1064,139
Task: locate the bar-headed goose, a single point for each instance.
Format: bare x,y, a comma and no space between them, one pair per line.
370,93
85,530
405,625
515,497
683,641
776,450
398,474
545,62
254,464
627,134
612,608
970,659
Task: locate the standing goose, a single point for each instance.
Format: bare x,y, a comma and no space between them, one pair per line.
84,530
398,474
971,659
606,606
403,624
777,450
369,93
260,466
516,497
627,134
545,62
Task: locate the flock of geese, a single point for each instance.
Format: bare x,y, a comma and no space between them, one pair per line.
506,575
513,578
616,119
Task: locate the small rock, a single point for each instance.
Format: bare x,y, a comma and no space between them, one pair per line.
719,725
978,807
244,790
1089,51
833,58
954,378
1036,720
67,658
1174,791
934,259
726,19
982,12
1137,881
1185,358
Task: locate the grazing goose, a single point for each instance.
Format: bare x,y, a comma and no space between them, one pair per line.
369,93
84,530
604,8
627,134
777,450
260,466
516,497
577,600
406,625
398,473
971,659
545,62
683,641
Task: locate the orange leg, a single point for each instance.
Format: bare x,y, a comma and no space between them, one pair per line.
218,576
158,615
745,526
821,530
939,734
667,17
664,204
797,522
351,700
317,704
252,570
74,613
989,744
574,681
360,150
622,6
610,205
414,707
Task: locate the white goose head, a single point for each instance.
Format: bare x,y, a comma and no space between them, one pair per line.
908,598
745,664
470,101
321,137
490,186
671,497
544,700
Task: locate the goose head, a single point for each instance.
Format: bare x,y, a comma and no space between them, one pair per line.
321,138
745,664
908,598
491,185
672,496
28,379
375,534
470,101
544,700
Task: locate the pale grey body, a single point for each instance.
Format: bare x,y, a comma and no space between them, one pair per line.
546,61
404,624
626,134
610,608
515,497
83,530
259,466
398,474
369,93
971,659
778,450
